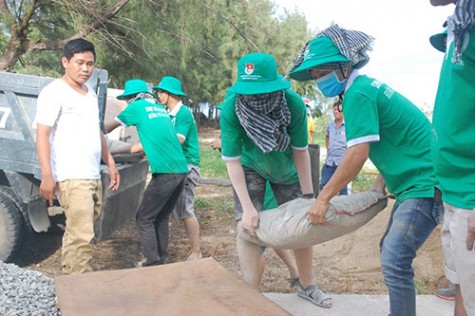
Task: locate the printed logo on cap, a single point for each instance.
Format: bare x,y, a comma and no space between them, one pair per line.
249,69
306,54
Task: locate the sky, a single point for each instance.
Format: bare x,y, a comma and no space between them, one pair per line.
402,55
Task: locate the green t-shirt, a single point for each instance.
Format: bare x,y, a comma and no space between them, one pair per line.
275,166
269,198
157,135
185,126
454,127
399,135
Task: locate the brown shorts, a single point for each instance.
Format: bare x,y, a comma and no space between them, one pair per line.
185,205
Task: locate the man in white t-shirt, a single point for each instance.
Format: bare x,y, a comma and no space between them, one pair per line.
70,146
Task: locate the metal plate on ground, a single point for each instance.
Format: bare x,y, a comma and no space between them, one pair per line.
199,287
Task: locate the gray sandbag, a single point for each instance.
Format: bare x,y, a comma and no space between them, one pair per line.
118,146
287,226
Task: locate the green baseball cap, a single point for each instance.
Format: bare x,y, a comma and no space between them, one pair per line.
439,41
318,51
170,84
132,87
257,74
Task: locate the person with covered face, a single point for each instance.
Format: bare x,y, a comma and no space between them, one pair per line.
454,150
167,165
265,138
384,126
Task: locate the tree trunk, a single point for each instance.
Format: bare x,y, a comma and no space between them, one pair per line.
10,55
19,43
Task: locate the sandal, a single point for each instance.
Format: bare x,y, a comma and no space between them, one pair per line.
315,295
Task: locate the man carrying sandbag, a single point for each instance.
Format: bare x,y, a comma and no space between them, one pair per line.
265,138
386,127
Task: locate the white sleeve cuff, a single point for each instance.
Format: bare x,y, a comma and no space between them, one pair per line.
361,140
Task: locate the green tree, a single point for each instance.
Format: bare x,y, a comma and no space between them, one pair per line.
197,41
43,25
202,52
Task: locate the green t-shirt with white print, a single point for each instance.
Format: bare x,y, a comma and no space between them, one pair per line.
275,166
399,135
157,135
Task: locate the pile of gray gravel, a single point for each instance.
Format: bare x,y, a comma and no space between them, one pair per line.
26,292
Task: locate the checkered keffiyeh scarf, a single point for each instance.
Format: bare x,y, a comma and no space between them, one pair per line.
143,96
463,20
354,45
265,117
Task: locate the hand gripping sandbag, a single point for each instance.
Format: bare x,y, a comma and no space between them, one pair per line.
287,226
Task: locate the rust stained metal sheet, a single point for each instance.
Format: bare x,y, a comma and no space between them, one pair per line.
199,287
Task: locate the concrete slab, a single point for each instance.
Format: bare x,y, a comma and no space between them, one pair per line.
359,305
199,287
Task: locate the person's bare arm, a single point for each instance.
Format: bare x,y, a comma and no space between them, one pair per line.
136,148
181,139
109,160
250,219
302,164
43,149
349,168
216,144
111,125
379,184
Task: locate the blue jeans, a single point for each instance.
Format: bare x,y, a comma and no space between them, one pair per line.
327,173
410,225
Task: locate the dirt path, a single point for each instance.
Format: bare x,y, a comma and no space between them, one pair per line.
349,264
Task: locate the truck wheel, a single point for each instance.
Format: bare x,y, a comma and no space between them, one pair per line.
8,192
10,228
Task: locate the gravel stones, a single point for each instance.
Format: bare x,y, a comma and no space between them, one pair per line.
26,292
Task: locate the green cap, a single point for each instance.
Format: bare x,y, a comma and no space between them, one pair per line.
439,41
257,74
318,51
170,84
132,87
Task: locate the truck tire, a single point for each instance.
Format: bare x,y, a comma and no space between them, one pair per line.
8,192
11,225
